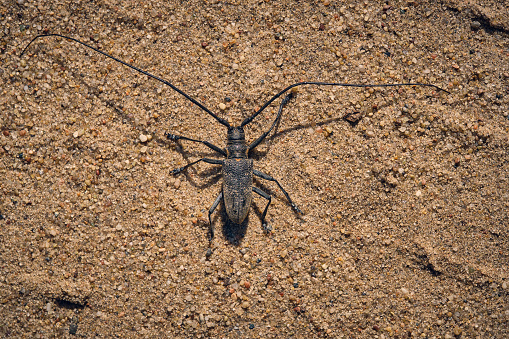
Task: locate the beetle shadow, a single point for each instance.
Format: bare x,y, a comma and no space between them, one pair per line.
93,90
233,233
213,172
208,178
259,154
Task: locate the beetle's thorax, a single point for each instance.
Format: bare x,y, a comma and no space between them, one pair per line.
236,147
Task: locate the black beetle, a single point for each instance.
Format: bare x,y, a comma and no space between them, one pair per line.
237,168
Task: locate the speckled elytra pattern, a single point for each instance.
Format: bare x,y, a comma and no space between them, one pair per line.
237,190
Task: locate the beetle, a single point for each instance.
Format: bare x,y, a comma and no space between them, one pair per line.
237,168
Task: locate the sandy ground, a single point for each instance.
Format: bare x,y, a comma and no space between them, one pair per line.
404,190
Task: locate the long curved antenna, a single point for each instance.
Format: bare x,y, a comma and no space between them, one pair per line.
222,121
248,120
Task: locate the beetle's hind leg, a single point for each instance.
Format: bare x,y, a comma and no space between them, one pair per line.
267,196
211,210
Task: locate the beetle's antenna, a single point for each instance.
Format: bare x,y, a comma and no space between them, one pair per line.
194,101
248,120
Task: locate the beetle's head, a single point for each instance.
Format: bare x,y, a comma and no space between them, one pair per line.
236,133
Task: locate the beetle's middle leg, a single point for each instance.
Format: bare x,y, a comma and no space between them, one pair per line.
268,177
207,160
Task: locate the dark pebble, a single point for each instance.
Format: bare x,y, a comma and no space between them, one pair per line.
295,285
73,328
251,326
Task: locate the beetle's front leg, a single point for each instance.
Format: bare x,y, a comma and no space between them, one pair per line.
174,137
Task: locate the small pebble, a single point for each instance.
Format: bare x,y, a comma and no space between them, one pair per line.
6,133
143,138
475,25
457,331
73,328
392,180
78,133
222,106
176,184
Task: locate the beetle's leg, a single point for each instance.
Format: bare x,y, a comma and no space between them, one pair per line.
268,177
268,197
210,161
278,117
174,137
211,210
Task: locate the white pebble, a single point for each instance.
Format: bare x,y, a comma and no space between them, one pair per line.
78,133
176,184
